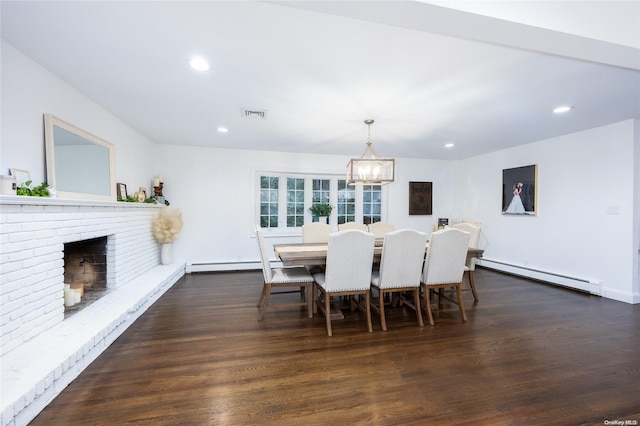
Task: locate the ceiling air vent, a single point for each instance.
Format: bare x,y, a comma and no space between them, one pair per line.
254,113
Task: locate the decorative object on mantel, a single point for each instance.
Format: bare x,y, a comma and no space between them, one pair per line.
121,190
370,169
158,185
8,185
37,191
165,228
322,211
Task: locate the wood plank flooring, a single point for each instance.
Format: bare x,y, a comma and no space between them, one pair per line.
530,354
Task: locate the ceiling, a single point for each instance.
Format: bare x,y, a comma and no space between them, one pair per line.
426,74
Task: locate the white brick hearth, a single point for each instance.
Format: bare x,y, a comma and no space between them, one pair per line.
41,352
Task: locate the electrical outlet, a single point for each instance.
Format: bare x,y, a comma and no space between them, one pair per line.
613,209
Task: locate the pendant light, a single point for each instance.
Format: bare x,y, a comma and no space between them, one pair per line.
370,169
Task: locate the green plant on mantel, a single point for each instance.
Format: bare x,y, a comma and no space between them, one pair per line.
321,209
132,199
37,191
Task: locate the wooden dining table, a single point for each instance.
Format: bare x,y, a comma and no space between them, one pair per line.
310,254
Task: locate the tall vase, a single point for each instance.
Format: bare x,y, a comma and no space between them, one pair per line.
166,254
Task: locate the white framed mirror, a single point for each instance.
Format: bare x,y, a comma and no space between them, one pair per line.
79,164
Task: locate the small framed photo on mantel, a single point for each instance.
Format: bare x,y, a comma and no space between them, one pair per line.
121,190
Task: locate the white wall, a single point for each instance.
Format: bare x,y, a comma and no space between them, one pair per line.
581,176
29,91
214,189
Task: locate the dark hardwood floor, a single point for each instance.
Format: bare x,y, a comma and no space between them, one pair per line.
530,354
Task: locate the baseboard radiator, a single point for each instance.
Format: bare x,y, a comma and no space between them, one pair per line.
226,266
591,286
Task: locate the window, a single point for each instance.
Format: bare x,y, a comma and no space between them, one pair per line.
371,204
295,202
346,211
320,193
269,201
284,200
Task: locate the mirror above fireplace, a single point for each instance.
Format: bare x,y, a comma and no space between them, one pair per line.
79,164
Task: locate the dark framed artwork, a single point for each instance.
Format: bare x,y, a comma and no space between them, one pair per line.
420,198
520,191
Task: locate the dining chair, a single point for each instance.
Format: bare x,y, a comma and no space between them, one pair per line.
316,232
352,225
474,239
400,269
347,273
444,265
283,278
379,229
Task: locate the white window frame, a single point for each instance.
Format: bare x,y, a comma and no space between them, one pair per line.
282,229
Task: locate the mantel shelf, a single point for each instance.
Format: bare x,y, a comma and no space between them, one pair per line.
52,201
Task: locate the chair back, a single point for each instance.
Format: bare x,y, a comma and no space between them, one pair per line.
474,239
316,232
446,257
403,254
379,229
352,225
264,256
349,261
473,230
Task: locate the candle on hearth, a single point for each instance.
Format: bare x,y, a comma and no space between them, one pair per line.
76,294
156,181
69,297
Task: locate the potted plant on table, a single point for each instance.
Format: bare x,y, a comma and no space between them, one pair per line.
165,228
322,210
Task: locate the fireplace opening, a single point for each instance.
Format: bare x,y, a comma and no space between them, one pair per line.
85,273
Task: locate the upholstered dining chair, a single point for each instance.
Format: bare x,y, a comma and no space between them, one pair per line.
352,225
474,239
296,279
379,229
347,273
400,269
316,232
444,265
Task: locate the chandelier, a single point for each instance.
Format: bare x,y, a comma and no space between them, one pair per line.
370,169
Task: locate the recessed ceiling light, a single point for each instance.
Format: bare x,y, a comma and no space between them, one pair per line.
223,129
449,145
561,109
199,64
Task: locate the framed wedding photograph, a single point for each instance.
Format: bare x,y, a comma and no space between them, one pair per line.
420,198
520,191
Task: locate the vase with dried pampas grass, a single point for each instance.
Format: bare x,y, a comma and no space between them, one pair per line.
165,228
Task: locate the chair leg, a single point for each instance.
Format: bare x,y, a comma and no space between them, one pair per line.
472,284
308,294
367,299
416,303
428,303
383,319
265,302
327,313
315,298
460,302
264,288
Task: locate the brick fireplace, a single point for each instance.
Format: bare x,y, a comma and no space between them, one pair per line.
43,349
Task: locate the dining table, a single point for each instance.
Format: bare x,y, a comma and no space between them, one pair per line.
313,254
